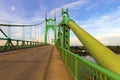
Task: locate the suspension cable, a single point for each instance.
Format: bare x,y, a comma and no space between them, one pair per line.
21,25
23,34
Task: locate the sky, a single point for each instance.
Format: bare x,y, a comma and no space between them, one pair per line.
101,18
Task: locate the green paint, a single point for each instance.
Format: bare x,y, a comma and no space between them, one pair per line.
80,68
83,69
10,44
50,24
64,32
109,60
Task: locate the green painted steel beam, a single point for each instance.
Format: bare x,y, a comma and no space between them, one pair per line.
50,24
3,33
64,31
9,45
83,69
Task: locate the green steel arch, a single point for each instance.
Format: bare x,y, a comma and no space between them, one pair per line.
50,24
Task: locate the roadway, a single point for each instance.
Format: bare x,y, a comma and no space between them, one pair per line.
25,64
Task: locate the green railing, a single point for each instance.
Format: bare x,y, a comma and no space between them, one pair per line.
11,44
83,69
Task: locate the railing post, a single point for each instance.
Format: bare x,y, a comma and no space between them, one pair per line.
27,45
76,68
17,45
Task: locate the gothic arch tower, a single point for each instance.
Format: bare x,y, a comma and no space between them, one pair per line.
50,24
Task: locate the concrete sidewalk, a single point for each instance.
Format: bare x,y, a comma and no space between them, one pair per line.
57,69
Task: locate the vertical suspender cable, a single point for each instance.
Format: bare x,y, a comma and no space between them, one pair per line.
35,32
38,33
23,34
9,31
30,33
8,28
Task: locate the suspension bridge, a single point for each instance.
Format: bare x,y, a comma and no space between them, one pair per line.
29,56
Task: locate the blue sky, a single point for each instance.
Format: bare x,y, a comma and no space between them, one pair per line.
101,18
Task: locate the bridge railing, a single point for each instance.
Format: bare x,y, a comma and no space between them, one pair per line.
83,69
10,44
7,43
108,67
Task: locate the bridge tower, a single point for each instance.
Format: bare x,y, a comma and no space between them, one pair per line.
50,24
64,31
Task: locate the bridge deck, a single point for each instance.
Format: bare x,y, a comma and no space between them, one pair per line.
24,64
28,64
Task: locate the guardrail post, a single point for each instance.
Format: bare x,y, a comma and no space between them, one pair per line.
27,44
76,68
17,44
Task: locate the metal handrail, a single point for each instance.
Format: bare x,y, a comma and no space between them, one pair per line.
83,69
103,56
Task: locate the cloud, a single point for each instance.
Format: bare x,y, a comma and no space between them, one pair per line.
19,17
74,41
72,5
5,16
118,7
13,8
105,28
92,6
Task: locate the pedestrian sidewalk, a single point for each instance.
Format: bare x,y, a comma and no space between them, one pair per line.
57,69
